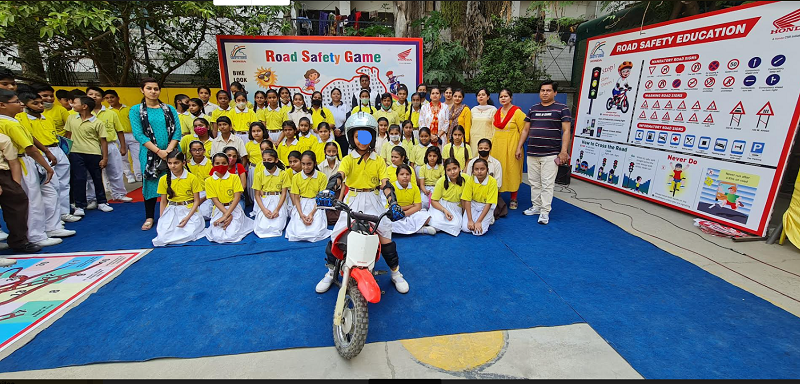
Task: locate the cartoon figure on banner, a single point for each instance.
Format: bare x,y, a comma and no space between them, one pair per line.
612,179
732,193
600,175
265,78
619,96
677,177
394,82
312,78
638,184
578,162
729,197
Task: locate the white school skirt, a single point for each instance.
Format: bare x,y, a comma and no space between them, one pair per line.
205,207
476,212
426,203
265,227
440,222
369,203
167,229
297,230
274,136
240,226
411,224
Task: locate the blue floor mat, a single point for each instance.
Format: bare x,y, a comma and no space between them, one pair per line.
665,316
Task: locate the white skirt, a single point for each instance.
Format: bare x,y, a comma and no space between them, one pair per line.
411,224
426,203
299,231
477,208
369,203
240,226
274,136
168,231
265,227
205,207
440,222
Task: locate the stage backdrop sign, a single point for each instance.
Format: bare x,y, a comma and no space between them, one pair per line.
305,64
697,114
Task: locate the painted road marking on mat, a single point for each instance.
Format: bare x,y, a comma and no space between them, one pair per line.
456,353
38,287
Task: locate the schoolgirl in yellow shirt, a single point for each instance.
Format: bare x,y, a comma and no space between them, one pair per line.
395,139
224,109
201,129
409,141
305,136
429,174
307,223
179,221
242,116
324,137
253,156
456,148
479,199
320,114
273,116
290,142
270,185
365,105
200,166
408,198
185,117
229,224
446,213
417,155
398,157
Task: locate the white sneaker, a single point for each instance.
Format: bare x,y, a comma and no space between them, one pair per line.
79,212
105,207
532,211
399,282
131,179
544,218
139,178
325,283
61,233
124,199
50,241
91,205
3,236
4,262
3,246
70,218
428,230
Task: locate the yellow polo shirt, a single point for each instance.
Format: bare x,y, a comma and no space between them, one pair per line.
58,115
184,187
316,117
400,110
186,140
223,188
386,150
306,143
187,123
407,196
284,148
253,151
408,145
272,118
124,117
308,186
452,194
319,149
417,155
431,175
215,114
365,110
8,152
111,121
20,136
86,134
275,181
202,169
458,154
485,192
366,175
414,116
391,174
242,119
41,128
389,115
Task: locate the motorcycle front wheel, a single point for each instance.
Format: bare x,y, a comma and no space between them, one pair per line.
349,337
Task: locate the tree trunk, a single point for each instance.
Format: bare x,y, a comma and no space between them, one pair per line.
106,62
407,12
400,21
31,60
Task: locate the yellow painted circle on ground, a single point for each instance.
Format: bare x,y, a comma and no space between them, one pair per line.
457,352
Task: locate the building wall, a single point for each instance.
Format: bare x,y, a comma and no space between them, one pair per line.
577,9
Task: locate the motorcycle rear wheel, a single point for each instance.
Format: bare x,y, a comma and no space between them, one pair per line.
349,337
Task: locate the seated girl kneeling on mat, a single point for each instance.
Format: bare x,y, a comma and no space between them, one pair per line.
307,223
270,185
200,166
229,224
409,199
446,199
179,222
479,199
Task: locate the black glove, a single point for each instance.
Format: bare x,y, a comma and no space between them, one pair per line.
334,182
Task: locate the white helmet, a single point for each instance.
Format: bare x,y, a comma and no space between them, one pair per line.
361,121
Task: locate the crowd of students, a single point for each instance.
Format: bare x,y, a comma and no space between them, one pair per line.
271,158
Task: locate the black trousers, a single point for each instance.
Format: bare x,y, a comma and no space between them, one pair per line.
15,209
79,164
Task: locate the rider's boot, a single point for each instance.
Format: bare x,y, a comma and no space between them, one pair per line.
327,280
389,253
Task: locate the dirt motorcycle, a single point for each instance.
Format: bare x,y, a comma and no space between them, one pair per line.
356,249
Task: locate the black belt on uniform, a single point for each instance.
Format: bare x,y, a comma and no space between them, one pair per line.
179,202
270,193
52,145
364,190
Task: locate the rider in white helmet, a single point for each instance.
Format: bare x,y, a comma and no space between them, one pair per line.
364,174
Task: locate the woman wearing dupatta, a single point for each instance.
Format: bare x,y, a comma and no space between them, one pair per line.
460,114
508,123
482,126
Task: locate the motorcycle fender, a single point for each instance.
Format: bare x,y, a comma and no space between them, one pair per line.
366,284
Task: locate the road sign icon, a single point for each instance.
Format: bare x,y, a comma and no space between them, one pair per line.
642,116
696,67
778,60
709,82
676,139
679,117
704,142
757,148
728,81
696,105
733,64
736,114
764,114
665,69
651,136
676,83
713,66
773,79
754,62
644,105
654,116
693,119
709,119
692,82
666,116
652,68
688,141
737,148
720,145
662,137
669,105
656,105
662,83
680,68
749,80
712,106
648,84
682,105
639,134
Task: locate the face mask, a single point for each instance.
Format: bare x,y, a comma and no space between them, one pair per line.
394,137
385,108
331,157
200,131
365,101
270,165
241,105
423,95
316,103
483,153
185,107
48,105
220,169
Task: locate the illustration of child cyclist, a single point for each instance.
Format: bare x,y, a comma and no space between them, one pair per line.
677,177
622,87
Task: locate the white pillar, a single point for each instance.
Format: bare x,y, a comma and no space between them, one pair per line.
344,8
515,6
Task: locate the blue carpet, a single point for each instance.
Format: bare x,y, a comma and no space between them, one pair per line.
665,316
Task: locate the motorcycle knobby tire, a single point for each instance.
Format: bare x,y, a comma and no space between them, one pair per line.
351,349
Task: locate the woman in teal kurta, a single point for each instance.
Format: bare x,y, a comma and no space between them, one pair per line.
157,140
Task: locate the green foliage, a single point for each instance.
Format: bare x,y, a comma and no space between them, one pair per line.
371,31
444,60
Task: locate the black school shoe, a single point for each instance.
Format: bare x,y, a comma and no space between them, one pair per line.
28,248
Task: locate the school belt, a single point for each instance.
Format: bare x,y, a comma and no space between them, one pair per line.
179,202
52,145
270,193
356,190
